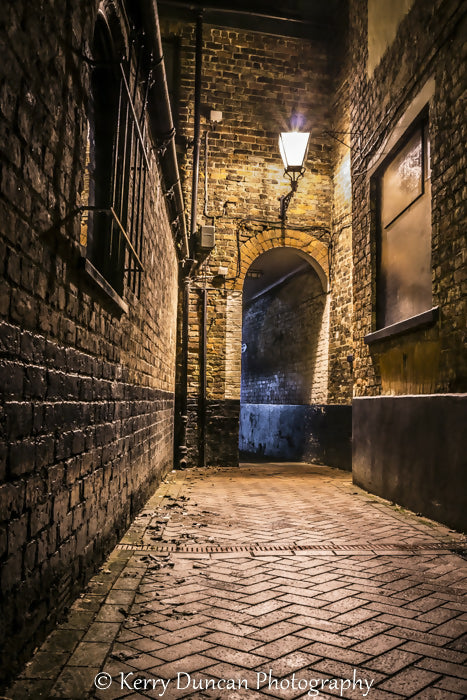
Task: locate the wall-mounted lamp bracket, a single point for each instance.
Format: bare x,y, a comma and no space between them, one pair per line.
337,136
286,198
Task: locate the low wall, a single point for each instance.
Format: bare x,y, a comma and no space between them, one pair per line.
413,450
319,433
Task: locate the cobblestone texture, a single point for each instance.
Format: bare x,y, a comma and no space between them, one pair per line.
379,591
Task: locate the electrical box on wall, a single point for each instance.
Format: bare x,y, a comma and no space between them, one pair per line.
207,237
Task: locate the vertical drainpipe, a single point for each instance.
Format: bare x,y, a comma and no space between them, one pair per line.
197,129
183,447
204,356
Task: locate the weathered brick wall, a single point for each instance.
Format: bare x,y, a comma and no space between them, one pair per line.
87,391
430,43
341,311
285,360
257,81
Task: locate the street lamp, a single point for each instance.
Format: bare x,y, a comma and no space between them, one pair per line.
293,146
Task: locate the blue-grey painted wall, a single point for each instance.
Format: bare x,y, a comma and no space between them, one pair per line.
319,433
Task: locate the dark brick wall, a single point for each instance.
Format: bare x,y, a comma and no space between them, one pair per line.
87,391
285,360
430,43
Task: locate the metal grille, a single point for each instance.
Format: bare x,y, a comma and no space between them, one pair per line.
120,183
202,548
130,169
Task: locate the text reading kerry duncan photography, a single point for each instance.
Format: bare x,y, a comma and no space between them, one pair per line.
183,681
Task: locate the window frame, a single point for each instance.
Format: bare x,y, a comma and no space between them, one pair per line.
114,221
419,124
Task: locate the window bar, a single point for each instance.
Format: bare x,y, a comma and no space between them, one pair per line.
125,236
135,117
116,144
134,147
138,65
136,158
142,184
143,200
139,212
123,163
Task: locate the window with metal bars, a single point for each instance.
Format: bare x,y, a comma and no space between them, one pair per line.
118,158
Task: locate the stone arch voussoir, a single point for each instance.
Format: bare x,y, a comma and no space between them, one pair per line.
314,250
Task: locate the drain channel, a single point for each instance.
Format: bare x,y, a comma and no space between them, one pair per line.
208,548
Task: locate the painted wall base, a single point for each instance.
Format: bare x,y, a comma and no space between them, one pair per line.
413,450
320,433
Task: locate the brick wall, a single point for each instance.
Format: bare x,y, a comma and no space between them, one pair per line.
285,360
257,81
408,405
341,311
87,390
429,45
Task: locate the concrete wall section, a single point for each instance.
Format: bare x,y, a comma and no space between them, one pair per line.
412,450
317,433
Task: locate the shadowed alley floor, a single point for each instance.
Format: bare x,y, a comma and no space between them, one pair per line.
267,575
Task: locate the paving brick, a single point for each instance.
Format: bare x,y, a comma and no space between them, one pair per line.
455,685
178,651
275,649
444,667
338,653
409,681
182,635
235,656
233,641
392,661
276,631
435,652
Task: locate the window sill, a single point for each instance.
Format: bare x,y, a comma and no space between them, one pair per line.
423,320
104,286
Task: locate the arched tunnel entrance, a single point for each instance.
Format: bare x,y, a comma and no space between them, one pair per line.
284,373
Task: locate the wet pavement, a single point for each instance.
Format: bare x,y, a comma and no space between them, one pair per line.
265,581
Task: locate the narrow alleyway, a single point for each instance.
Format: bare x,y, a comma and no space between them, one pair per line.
271,580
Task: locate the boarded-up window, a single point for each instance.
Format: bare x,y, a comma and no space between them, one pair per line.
404,224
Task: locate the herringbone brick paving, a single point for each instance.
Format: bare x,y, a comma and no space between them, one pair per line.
200,587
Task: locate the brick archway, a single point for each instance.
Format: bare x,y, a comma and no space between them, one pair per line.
312,249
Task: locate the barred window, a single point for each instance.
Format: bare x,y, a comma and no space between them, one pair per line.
118,159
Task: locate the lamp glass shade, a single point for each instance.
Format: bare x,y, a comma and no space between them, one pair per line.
293,146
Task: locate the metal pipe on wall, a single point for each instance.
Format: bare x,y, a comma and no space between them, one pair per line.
204,357
187,272
197,124
160,119
183,414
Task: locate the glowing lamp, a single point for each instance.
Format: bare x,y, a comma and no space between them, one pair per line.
293,146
